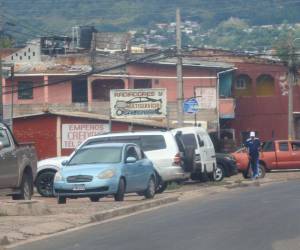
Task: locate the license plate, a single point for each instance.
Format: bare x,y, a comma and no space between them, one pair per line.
79,187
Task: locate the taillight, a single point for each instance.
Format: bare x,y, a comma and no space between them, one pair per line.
177,159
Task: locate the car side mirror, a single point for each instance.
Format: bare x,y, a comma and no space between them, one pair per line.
64,163
130,160
1,145
201,143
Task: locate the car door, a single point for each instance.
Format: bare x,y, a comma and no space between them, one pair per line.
8,161
295,154
142,170
209,153
268,155
283,153
131,173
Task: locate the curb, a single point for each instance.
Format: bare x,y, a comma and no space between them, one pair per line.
132,209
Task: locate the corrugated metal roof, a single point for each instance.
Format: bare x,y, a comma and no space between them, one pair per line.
152,123
195,62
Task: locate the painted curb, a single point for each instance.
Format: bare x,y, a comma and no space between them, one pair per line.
132,209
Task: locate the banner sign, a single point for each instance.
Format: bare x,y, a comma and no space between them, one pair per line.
206,97
74,134
138,103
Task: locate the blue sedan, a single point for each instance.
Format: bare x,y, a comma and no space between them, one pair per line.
105,169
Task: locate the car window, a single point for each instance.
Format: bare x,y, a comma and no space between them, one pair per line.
189,140
268,146
131,152
153,142
4,138
97,155
295,146
283,146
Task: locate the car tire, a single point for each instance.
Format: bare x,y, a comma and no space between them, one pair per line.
61,200
150,191
261,171
26,188
119,196
161,187
94,198
189,159
219,173
44,183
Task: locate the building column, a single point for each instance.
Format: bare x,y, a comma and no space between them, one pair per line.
90,93
58,136
5,98
46,90
126,83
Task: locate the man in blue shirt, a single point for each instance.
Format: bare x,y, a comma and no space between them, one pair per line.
253,146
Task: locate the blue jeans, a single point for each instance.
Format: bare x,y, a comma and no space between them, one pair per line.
254,166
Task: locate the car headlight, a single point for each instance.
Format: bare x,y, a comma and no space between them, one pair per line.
58,177
107,174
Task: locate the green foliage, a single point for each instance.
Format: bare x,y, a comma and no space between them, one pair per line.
228,23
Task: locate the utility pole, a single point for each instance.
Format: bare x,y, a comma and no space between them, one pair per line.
1,91
180,94
291,82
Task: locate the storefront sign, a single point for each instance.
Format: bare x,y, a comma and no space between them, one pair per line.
138,103
206,97
74,134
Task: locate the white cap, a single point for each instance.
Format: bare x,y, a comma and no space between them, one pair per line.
252,134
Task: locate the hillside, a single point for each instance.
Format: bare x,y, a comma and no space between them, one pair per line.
42,17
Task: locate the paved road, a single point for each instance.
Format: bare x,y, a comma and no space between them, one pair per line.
256,218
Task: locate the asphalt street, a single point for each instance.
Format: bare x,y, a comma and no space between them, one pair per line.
254,218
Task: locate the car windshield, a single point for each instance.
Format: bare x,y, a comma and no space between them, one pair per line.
97,155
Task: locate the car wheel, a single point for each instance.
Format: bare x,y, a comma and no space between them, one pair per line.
161,187
119,196
261,171
61,200
44,183
219,173
94,198
26,188
150,191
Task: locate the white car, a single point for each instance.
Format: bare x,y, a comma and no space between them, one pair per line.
201,158
159,146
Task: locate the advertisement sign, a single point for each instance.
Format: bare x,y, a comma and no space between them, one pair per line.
191,106
138,103
206,97
74,134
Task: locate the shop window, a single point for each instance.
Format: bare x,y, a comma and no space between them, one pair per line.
79,91
101,88
243,86
265,85
25,90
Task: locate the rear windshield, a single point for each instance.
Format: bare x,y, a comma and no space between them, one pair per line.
146,142
189,140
